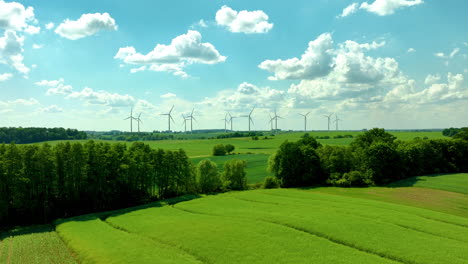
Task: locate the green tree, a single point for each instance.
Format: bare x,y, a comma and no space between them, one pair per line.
208,176
219,150
234,175
371,136
229,148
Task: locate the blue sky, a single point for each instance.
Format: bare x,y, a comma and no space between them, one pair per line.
380,63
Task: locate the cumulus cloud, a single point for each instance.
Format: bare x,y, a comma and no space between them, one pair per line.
431,79
244,21
19,102
86,25
55,86
350,9
102,98
246,96
52,109
11,51
31,30
315,62
184,50
388,7
14,16
5,76
436,93
37,46
168,95
410,50
49,26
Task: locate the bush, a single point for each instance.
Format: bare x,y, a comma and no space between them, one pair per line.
229,148
270,182
219,150
208,177
234,175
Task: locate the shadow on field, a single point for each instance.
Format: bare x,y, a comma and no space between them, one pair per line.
26,231
409,182
104,215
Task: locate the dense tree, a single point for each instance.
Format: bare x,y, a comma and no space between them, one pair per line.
208,176
219,150
374,135
37,134
234,175
229,148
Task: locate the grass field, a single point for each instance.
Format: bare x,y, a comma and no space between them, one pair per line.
322,225
397,224
256,164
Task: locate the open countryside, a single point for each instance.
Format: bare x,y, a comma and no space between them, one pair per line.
140,132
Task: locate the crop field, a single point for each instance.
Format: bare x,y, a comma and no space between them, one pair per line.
323,225
34,245
454,182
256,164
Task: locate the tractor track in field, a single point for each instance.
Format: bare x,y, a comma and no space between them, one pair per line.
10,250
186,251
315,234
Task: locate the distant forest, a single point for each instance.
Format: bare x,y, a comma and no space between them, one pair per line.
25,135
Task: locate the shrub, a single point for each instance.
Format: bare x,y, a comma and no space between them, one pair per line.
208,176
234,175
229,148
219,150
270,182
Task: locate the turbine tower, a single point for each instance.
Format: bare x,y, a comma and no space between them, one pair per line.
138,119
336,121
226,120
271,122
328,117
169,118
231,120
275,117
191,120
250,117
131,117
185,122
305,120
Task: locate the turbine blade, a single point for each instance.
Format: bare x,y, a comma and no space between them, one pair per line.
171,109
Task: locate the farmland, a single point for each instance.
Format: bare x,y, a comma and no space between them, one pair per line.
395,224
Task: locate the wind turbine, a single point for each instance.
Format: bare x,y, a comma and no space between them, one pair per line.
328,117
250,117
185,122
131,119
138,119
169,118
336,121
226,120
275,117
305,120
191,120
271,122
231,119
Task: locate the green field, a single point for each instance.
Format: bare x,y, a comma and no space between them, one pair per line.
395,224
203,147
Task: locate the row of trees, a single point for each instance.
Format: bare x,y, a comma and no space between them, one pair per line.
42,182
373,158
37,134
461,133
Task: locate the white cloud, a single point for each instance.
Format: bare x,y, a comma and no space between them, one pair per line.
410,50
350,9
49,26
31,30
19,102
11,51
388,7
168,95
315,62
14,16
183,50
102,98
37,46
86,25
55,86
244,21
135,70
5,76
202,23
431,79
454,52
52,109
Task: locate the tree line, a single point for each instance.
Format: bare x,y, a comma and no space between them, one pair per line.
373,158
37,134
39,183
